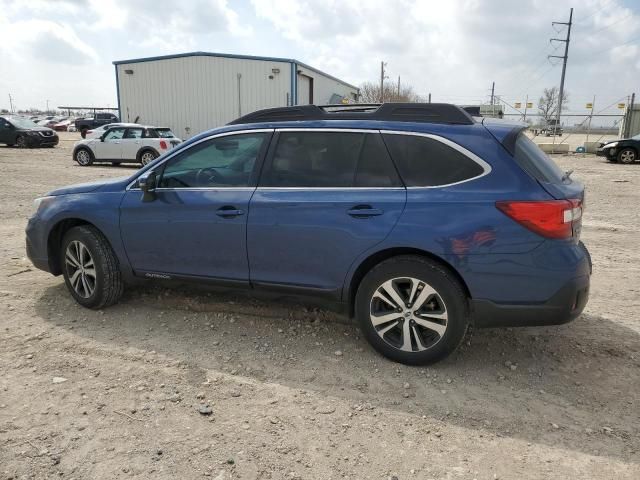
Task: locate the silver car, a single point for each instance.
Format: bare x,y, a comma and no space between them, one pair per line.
125,144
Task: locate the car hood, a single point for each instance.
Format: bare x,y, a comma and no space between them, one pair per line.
109,185
35,129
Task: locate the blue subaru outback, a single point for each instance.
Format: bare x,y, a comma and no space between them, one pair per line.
416,219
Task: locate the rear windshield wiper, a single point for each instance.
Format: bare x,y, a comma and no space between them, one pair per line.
566,175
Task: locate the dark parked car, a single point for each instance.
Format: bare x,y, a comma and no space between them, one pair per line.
85,124
416,219
623,151
22,132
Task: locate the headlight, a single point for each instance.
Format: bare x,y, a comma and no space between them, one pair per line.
33,134
612,144
41,202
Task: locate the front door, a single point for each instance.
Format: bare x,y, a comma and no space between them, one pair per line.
131,143
7,132
110,148
196,226
324,199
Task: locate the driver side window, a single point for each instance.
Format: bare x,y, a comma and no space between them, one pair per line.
222,162
114,134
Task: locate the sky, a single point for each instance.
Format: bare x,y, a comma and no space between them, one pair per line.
61,51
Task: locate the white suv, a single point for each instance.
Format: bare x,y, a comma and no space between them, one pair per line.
125,144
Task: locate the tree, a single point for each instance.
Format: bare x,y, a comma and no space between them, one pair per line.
548,103
370,93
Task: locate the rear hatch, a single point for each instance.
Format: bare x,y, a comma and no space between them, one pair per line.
543,169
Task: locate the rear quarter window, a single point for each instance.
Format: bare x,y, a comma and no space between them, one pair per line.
427,162
535,162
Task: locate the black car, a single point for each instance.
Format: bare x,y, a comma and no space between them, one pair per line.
83,125
20,131
623,151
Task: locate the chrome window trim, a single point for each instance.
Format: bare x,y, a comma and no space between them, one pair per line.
472,156
210,137
326,129
259,189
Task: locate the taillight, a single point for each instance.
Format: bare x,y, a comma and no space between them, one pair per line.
549,218
163,145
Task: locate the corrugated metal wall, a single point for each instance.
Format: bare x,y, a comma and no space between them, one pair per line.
323,88
199,93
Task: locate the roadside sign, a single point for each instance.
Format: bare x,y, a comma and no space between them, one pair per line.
622,105
589,106
518,105
529,104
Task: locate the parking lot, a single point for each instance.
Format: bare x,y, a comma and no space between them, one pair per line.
293,390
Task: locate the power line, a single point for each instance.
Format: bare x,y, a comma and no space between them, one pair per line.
619,45
602,7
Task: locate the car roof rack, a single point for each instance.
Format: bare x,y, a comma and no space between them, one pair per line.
390,112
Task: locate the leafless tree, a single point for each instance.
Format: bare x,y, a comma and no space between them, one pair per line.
548,103
370,93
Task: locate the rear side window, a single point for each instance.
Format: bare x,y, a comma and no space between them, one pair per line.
330,159
426,162
535,162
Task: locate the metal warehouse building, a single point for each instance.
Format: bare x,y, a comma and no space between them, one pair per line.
193,92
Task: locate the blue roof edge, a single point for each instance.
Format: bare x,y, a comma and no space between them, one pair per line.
232,55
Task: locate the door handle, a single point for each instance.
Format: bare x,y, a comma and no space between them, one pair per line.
229,211
364,211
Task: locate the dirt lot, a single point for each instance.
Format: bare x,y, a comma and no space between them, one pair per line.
296,392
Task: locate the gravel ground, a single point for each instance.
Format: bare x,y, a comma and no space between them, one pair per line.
190,383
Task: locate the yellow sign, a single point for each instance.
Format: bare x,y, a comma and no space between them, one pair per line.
529,104
518,104
589,106
344,101
622,105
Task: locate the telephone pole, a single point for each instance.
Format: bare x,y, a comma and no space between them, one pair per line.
564,61
382,77
493,89
398,88
10,103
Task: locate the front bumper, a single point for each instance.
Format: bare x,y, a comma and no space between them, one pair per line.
41,141
36,245
606,152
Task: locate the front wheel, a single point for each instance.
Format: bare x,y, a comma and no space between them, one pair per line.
627,155
90,268
412,310
21,142
84,157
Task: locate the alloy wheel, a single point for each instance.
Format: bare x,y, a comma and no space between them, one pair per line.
627,156
408,314
81,269
83,157
146,158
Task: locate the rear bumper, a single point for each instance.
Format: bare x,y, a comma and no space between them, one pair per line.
565,305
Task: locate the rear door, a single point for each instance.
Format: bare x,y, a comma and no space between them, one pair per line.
324,198
110,148
131,143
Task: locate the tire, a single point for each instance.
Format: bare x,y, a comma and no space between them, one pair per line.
627,155
426,344
21,141
87,245
83,132
147,156
84,157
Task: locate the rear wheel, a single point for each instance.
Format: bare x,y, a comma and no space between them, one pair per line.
627,155
147,157
83,156
412,310
90,268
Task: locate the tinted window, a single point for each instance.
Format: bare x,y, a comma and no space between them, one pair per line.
426,162
330,159
114,134
221,162
164,133
535,162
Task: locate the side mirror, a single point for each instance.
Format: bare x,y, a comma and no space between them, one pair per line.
148,183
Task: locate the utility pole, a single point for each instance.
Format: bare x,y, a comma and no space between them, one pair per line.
47,106
10,103
398,87
382,77
626,130
526,102
429,97
493,89
564,62
593,103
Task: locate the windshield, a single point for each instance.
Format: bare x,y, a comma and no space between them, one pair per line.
21,122
165,133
